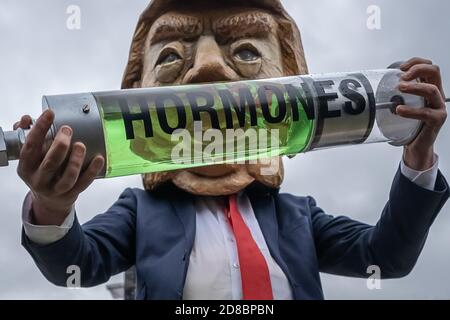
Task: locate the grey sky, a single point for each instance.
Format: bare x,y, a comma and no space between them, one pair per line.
39,55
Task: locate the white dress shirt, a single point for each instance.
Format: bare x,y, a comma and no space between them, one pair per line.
213,272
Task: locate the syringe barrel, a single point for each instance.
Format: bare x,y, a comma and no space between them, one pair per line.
134,129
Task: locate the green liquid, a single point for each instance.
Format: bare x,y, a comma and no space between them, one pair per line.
154,154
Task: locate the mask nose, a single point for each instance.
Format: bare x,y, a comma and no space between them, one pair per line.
209,64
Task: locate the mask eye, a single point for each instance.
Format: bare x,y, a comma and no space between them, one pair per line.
168,58
246,57
247,54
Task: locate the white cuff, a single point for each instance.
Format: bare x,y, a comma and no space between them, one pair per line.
425,179
44,235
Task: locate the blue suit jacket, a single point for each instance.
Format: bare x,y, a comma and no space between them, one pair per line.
155,232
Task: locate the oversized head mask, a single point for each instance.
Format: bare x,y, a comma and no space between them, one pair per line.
182,42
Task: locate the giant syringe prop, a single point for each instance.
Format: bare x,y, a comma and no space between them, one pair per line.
168,128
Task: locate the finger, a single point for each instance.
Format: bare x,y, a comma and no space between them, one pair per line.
89,175
411,62
429,91
428,71
24,123
31,152
431,74
72,172
433,118
55,157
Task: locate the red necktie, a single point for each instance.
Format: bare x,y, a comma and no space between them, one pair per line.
254,270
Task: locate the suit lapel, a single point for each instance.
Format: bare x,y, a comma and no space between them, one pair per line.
185,210
265,212
264,209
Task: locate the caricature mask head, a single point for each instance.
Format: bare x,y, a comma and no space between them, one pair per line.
178,42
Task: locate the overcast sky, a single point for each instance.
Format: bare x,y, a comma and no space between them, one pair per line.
39,55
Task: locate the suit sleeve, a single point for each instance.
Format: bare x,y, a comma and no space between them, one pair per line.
100,248
347,247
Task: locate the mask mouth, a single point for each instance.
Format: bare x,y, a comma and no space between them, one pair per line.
229,182
214,171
